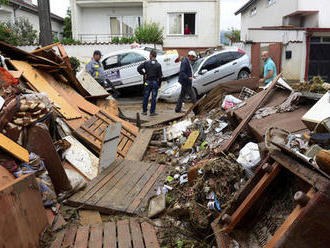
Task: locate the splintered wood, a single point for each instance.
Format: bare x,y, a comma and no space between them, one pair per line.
131,232
39,83
125,186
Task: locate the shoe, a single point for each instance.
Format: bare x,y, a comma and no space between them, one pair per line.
179,112
153,114
145,113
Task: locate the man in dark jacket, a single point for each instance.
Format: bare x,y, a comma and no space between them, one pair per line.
152,73
185,79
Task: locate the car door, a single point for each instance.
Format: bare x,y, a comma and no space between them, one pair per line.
111,70
128,68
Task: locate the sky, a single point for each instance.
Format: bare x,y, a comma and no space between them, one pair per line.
227,16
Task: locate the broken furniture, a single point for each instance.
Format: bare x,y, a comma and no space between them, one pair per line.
125,186
140,145
126,233
285,204
23,217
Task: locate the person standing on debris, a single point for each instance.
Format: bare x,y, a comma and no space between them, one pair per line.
185,79
269,69
152,73
95,68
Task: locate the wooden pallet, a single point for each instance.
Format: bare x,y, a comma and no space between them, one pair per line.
129,233
92,132
125,186
140,145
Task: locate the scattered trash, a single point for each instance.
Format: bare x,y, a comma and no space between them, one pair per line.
230,102
156,205
249,157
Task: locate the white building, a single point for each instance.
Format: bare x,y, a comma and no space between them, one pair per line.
301,26
25,9
99,21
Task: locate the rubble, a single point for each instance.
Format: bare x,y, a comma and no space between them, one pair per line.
245,174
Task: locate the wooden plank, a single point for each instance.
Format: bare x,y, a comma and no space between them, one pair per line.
252,197
133,206
244,123
94,183
103,182
96,236
124,185
124,236
89,217
82,237
109,146
287,223
23,217
110,236
140,145
132,194
91,85
191,140
69,237
44,48
14,149
39,83
40,142
136,233
149,235
163,119
57,243
193,106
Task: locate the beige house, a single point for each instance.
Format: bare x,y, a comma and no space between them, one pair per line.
301,26
184,21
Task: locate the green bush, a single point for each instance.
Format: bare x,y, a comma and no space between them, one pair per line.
115,39
66,41
75,63
19,32
149,33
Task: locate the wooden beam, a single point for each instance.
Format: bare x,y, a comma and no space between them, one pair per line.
252,197
14,149
44,48
244,123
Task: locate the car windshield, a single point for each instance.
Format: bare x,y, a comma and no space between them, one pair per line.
197,64
159,52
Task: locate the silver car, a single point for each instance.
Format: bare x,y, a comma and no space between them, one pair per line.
209,71
120,67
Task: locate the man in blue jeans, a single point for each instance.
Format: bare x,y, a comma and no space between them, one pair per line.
152,73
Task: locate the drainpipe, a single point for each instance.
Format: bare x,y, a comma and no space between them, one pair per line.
308,42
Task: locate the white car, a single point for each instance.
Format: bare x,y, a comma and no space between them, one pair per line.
120,67
209,71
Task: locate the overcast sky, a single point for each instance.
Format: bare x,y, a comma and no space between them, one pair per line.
228,7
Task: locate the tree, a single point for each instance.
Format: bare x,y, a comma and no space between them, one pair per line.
149,33
67,33
45,36
234,35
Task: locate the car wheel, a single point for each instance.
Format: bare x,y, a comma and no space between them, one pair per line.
243,74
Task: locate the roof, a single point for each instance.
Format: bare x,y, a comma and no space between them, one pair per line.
30,7
245,6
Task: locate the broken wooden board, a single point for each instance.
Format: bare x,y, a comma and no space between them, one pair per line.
140,145
161,119
110,146
128,233
94,89
89,217
290,121
23,217
92,132
39,83
14,149
125,186
193,136
5,177
84,161
109,105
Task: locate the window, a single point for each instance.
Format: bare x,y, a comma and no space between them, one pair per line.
124,25
111,62
182,23
237,55
218,60
270,2
130,58
225,58
253,11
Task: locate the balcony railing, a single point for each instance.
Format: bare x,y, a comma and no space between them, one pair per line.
97,38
